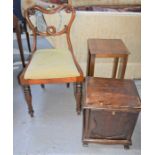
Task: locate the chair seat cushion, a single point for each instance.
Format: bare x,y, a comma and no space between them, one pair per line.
51,63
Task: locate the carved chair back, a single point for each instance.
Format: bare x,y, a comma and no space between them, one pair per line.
50,30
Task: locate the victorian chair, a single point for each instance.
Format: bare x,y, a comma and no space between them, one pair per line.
55,65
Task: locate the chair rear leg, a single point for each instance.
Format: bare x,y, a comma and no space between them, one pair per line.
19,41
28,98
27,36
42,86
78,96
68,84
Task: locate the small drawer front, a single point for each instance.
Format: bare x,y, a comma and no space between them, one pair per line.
114,125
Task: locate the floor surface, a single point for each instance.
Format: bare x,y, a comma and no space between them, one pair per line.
56,128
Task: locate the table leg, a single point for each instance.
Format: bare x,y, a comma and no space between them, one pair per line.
125,59
86,116
115,68
88,63
91,65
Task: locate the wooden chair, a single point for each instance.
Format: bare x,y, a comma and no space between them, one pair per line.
47,66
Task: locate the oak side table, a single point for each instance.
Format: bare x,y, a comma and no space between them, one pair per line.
110,111
107,48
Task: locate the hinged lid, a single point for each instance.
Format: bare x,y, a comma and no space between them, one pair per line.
111,94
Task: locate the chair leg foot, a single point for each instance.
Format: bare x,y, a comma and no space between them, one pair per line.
126,146
31,113
42,86
28,98
78,112
68,85
85,144
78,94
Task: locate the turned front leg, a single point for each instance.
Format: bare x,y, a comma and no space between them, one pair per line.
28,98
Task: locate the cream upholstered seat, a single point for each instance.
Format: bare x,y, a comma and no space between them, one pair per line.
51,63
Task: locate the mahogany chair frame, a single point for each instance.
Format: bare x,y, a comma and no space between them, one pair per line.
51,31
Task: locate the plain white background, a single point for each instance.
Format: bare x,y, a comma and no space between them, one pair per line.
147,77
6,69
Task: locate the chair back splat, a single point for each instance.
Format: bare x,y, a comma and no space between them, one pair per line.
51,30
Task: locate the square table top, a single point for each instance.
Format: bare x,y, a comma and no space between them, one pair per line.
107,47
